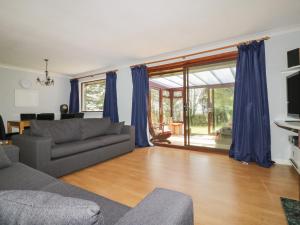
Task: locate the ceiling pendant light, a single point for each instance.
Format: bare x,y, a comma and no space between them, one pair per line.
48,81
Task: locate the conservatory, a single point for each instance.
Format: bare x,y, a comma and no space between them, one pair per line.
193,106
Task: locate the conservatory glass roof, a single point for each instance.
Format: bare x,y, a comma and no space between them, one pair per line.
214,76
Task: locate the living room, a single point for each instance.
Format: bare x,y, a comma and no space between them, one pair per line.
162,112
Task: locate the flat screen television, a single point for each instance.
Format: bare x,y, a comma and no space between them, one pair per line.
293,95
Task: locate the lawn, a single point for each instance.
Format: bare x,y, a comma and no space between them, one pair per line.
201,129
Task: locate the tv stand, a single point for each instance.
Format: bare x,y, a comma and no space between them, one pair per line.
293,126
289,125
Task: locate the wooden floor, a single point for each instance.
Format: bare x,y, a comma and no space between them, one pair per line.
224,191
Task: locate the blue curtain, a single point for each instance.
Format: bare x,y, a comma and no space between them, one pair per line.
251,141
74,97
110,108
140,81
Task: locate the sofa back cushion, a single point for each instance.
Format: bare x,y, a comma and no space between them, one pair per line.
4,160
37,207
93,127
115,128
61,131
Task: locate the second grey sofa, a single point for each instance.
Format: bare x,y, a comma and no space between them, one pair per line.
63,146
161,207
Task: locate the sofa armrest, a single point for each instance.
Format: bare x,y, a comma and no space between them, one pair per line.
12,152
34,151
163,207
131,131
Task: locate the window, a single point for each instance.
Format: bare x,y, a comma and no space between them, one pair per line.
177,110
166,93
177,106
178,94
92,95
154,105
166,104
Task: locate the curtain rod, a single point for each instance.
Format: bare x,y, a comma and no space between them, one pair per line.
96,74
202,52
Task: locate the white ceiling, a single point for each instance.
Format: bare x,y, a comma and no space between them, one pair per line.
83,35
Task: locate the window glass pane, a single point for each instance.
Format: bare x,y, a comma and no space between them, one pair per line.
166,93
234,71
177,110
93,95
165,82
177,94
207,77
166,110
223,102
195,81
224,75
199,104
154,106
177,80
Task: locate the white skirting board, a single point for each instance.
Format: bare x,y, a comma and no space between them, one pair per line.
282,161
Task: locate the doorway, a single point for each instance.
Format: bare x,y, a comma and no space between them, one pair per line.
194,104
209,100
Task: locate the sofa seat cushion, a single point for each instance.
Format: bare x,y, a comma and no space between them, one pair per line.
67,149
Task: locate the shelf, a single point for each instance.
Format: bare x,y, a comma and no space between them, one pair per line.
293,126
291,70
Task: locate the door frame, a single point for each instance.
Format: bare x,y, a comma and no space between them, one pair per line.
184,66
186,111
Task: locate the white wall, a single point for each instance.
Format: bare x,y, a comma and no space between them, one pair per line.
50,98
124,88
276,62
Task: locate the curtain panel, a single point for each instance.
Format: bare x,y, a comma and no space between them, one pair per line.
140,81
251,141
110,108
74,97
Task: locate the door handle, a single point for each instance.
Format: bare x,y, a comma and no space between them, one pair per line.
185,107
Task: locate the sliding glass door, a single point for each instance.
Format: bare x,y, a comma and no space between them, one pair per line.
166,107
193,105
210,104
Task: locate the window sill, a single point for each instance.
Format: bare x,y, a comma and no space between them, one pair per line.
91,111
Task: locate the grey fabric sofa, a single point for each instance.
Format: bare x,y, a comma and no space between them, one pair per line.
63,146
161,207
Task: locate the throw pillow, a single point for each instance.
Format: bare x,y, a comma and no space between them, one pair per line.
38,207
115,128
4,160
